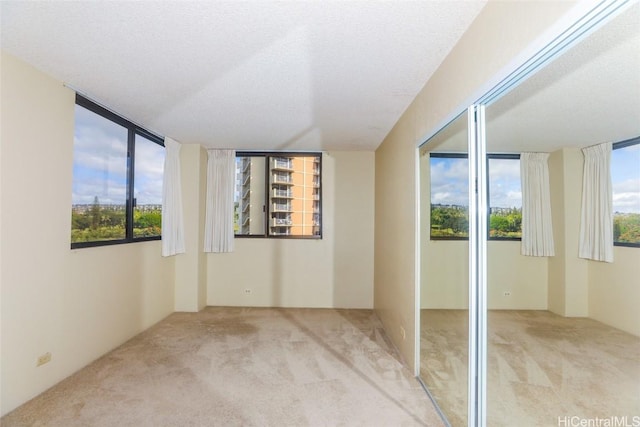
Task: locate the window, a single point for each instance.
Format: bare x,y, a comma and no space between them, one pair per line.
278,195
450,196
505,197
625,179
113,159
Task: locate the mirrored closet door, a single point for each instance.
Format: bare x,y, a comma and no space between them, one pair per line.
444,308
532,340
555,350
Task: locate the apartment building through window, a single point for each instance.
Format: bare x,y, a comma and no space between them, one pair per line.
278,195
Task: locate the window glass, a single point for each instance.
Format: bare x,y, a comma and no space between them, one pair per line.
505,198
99,178
625,179
149,167
278,195
294,196
249,196
449,197
117,179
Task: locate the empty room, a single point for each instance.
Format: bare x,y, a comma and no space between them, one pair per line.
258,213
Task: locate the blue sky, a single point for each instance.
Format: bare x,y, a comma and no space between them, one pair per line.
449,184
449,181
100,162
625,177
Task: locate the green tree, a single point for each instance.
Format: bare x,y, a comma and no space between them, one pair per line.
616,230
626,228
94,213
449,221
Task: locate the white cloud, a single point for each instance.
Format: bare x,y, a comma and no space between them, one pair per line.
628,185
99,144
107,191
505,169
626,196
449,182
626,202
149,172
504,177
100,162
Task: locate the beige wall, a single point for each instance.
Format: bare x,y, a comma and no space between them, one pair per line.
336,271
500,32
568,274
556,292
395,237
614,292
191,267
606,292
74,304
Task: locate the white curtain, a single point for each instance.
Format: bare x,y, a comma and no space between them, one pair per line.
218,227
596,224
537,230
172,217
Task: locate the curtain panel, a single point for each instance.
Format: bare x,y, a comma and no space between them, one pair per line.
596,222
220,201
172,215
537,229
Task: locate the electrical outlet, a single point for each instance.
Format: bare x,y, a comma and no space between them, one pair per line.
45,358
247,291
507,293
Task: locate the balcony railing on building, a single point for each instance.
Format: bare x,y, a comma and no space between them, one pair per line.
280,231
284,164
246,179
285,194
281,207
278,178
246,193
281,222
246,165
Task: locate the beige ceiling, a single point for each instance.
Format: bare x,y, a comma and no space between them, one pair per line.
246,75
589,95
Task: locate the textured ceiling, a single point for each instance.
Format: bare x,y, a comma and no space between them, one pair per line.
589,95
246,75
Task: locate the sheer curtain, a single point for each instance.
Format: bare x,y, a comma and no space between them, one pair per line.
596,224
218,226
537,230
172,217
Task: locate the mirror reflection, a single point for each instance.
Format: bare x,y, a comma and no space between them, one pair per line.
444,319
562,332
563,329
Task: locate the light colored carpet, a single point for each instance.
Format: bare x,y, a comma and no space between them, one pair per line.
540,366
242,367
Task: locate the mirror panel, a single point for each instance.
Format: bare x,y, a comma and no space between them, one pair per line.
444,318
558,327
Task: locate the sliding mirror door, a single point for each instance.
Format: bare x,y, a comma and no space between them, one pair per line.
444,281
563,331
